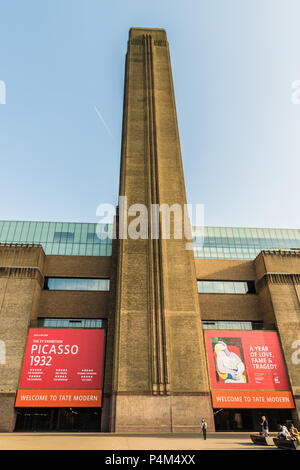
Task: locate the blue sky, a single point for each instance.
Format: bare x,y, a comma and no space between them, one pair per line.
233,65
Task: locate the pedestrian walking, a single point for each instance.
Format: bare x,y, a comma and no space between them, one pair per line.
264,426
204,427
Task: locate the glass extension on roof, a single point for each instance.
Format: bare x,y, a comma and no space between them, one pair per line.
242,243
60,238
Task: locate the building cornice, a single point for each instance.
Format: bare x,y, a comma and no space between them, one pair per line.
22,272
281,252
279,278
21,245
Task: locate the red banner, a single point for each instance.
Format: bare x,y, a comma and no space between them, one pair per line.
245,361
58,359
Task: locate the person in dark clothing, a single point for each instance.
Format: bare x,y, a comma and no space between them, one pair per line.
204,428
264,426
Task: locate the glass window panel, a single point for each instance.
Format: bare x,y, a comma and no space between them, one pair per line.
81,284
91,228
96,250
77,233
90,237
72,284
61,284
24,232
44,232
209,287
62,249
5,231
71,323
102,250
62,237
57,231
69,248
76,323
11,232
71,228
51,283
89,250
75,250
65,227
208,325
223,325
82,249
232,325
50,232
240,287
218,287
84,230
37,232
31,231
93,284
229,287
18,231
55,248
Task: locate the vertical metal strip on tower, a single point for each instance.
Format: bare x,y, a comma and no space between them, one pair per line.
159,360
151,284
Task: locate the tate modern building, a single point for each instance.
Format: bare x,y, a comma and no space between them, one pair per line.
103,331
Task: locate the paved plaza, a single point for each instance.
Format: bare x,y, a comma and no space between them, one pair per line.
103,441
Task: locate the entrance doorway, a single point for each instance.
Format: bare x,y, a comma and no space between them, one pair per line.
58,420
249,420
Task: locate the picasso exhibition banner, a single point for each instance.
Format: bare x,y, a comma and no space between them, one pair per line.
62,367
247,370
